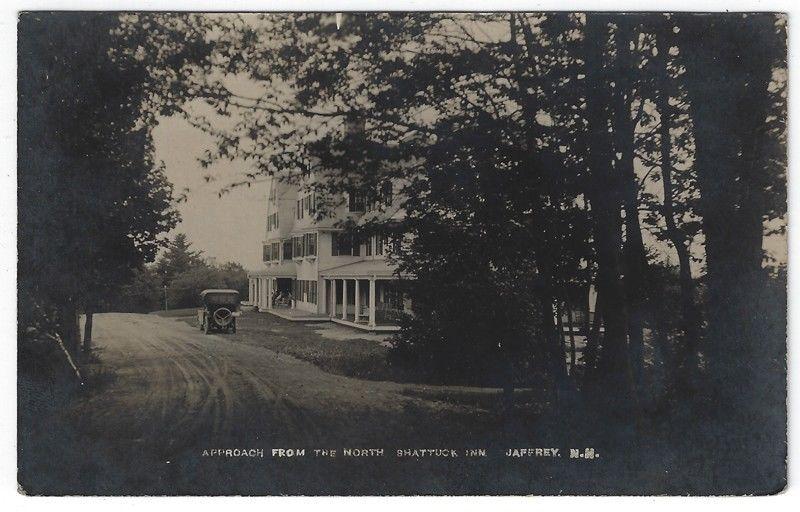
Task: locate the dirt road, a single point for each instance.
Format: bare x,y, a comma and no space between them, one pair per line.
174,385
166,398
167,393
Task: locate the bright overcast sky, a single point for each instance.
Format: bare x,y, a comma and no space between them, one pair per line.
229,228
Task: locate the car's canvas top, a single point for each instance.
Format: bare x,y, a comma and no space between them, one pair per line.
214,290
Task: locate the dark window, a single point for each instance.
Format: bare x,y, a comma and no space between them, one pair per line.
298,247
305,290
345,245
378,245
265,252
287,249
394,299
272,222
355,202
386,192
311,244
369,246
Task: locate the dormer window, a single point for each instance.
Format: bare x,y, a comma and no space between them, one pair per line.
272,221
306,205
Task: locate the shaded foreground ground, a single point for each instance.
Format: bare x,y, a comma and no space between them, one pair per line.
163,394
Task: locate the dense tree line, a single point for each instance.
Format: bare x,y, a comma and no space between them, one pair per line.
176,279
537,153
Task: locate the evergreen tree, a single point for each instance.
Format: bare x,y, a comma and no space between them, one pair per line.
177,259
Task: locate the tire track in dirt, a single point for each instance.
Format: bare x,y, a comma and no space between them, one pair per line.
178,387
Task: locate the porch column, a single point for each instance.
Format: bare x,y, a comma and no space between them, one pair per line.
331,298
269,293
324,295
344,299
357,303
372,302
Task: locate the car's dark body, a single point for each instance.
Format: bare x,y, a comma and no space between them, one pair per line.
220,310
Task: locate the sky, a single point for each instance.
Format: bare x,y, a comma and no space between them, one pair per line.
227,228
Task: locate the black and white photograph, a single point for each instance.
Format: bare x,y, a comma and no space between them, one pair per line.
401,253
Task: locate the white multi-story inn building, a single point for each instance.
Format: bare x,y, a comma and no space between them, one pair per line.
314,271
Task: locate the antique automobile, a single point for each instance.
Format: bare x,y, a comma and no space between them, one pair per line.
220,310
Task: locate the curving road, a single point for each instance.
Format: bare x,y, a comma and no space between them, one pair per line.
172,387
163,393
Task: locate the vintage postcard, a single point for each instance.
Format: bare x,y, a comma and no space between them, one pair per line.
402,253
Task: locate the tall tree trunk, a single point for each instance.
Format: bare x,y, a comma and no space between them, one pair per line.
572,349
635,258
604,192
592,347
685,359
562,342
553,339
545,260
729,118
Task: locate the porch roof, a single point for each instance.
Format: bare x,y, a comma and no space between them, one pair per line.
362,269
285,269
